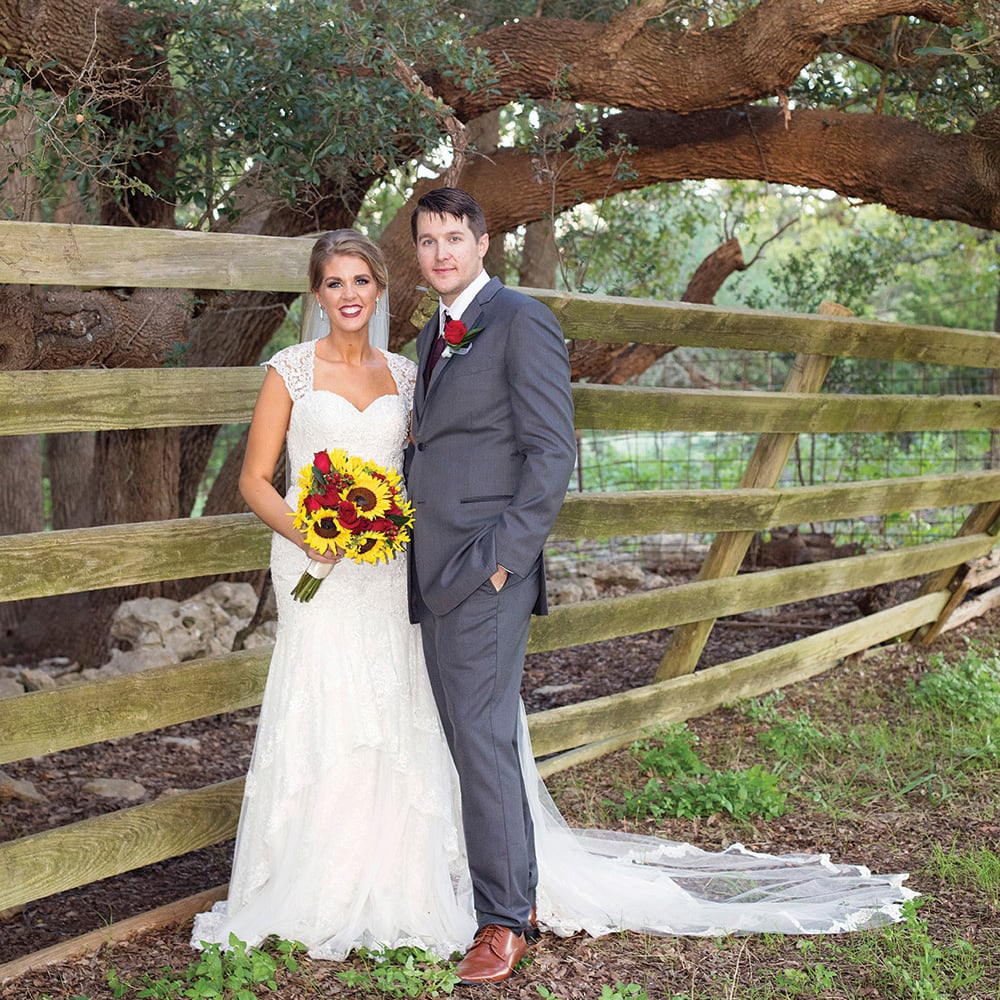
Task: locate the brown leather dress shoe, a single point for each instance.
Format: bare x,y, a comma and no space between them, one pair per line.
493,955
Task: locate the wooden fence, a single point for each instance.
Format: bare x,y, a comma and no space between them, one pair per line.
46,563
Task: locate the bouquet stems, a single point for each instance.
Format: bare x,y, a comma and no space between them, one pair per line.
315,573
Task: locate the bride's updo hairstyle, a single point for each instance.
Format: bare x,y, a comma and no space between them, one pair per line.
352,243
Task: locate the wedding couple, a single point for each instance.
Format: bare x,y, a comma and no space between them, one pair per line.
392,798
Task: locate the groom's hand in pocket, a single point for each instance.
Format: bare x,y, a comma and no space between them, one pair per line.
498,579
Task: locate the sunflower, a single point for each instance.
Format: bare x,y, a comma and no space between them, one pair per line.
369,547
372,495
323,530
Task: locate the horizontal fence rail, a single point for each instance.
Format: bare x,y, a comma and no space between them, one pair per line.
33,253
36,403
643,321
59,562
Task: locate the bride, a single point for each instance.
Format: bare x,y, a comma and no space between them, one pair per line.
350,831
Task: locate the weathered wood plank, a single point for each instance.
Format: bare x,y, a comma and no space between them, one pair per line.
647,321
643,408
594,621
679,698
60,562
51,402
96,848
35,402
49,253
648,512
121,930
982,517
48,562
974,607
38,253
45,722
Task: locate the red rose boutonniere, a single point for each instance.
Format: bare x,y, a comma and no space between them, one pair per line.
457,338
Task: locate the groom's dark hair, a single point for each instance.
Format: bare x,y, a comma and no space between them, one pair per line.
450,201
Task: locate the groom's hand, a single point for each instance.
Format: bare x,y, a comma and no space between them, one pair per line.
498,579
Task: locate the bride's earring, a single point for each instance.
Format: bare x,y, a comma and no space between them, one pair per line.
322,312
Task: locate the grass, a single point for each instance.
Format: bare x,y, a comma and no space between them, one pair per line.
891,760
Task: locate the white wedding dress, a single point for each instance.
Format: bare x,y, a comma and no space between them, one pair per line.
350,833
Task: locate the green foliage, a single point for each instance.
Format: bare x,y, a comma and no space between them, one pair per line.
262,85
969,689
789,739
681,785
233,973
844,273
640,244
401,972
301,92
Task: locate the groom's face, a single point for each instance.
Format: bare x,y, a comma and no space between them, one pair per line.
449,253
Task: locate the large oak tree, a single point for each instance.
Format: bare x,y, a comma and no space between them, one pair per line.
284,119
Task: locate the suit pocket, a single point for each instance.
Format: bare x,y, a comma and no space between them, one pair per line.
488,499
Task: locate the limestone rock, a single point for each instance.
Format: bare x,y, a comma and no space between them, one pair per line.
115,788
14,788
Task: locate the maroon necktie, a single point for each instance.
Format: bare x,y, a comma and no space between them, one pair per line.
436,351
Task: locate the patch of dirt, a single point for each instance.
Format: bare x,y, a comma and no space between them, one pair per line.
573,968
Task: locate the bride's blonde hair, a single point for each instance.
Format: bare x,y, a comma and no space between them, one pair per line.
352,243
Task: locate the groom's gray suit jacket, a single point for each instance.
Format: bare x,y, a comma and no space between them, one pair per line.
494,449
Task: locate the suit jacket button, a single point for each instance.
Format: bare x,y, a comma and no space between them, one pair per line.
420,446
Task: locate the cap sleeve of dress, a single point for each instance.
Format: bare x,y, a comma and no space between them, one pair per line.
295,366
404,374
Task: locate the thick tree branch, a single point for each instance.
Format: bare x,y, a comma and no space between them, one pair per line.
626,24
671,70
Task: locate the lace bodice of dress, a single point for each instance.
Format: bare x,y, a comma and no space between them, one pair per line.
321,419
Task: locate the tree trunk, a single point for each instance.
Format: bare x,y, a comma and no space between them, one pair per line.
540,259
22,506
70,464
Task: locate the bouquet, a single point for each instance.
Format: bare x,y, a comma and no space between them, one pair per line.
351,504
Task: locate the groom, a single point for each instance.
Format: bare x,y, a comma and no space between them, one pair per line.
493,451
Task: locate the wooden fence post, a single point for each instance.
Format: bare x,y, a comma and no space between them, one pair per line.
729,548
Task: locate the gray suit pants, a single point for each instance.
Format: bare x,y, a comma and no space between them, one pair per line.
475,659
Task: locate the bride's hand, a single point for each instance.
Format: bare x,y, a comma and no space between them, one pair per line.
332,556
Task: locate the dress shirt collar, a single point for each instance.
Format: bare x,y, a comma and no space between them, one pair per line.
464,300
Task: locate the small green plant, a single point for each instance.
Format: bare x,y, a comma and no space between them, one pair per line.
219,974
969,689
810,979
789,739
401,972
623,991
681,785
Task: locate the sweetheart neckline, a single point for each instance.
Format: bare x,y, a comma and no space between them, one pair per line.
337,395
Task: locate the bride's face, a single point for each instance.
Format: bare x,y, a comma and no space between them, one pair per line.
348,293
